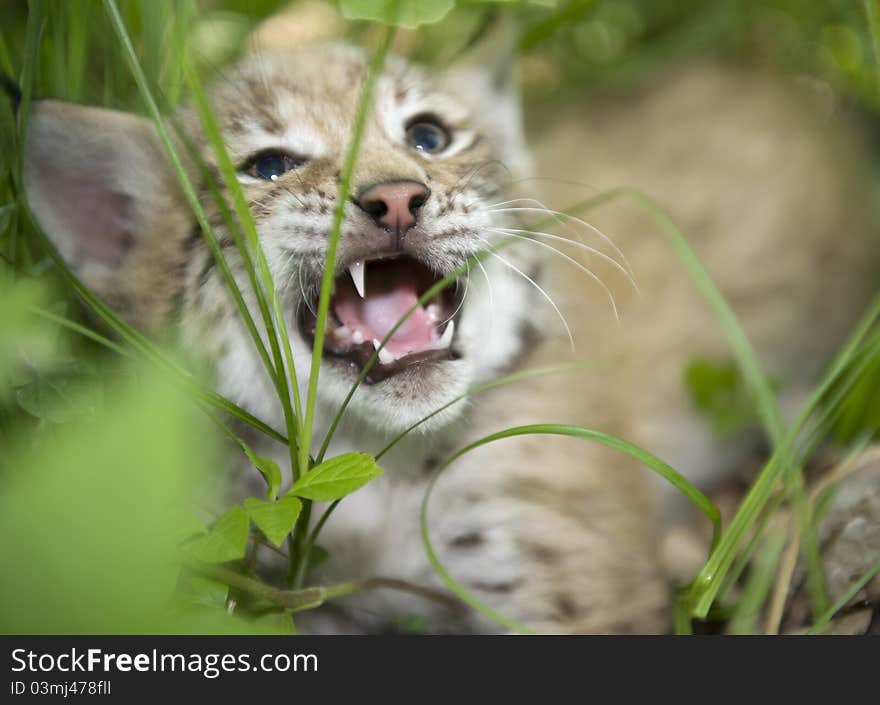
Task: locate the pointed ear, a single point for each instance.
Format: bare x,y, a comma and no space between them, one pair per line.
100,186
485,75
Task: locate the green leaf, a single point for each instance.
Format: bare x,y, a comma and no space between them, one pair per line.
274,623
226,541
718,390
62,396
189,526
335,478
199,590
122,499
26,341
268,469
274,519
213,619
404,14
317,555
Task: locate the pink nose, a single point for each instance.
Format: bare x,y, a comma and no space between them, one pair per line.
395,204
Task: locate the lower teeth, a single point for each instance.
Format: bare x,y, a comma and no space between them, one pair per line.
386,357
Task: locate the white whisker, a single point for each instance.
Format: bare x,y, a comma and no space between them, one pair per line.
491,294
534,284
303,291
460,303
559,215
488,284
580,245
577,264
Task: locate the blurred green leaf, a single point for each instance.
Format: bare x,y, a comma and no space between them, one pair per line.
404,14
411,624
717,389
317,555
92,516
200,590
335,478
26,341
268,469
62,395
859,409
275,623
226,541
274,519
213,619
565,17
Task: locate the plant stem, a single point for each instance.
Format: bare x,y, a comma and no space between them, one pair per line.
363,109
311,597
299,555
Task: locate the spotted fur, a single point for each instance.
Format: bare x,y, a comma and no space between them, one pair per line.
556,533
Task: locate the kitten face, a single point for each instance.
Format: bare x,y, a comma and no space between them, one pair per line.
431,166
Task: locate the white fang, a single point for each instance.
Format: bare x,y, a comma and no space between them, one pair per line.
358,270
446,339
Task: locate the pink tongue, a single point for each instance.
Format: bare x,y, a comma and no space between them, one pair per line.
386,302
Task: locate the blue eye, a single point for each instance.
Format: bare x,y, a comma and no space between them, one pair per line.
425,133
270,165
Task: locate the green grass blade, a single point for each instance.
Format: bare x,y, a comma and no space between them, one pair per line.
233,409
5,58
745,556
745,354
744,619
374,358
853,590
81,330
58,36
364,103
77,48
188,189
153,16
180,171
36,24
499,382
780,466
276,330
299,556
682,614
237,235
185,381
708,582
642,456
872,11
664,470
449,581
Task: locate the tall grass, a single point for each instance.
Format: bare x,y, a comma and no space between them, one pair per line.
151,42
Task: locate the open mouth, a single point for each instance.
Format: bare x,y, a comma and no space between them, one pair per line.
369,298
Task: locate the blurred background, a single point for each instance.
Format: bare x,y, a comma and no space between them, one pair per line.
565,45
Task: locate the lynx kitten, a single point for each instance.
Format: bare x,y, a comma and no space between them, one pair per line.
559,534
